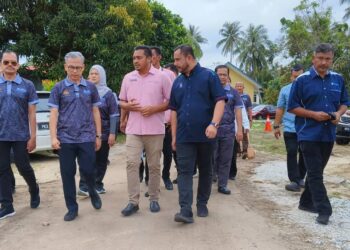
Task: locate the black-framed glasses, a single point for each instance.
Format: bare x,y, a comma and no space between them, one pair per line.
13,63
77,68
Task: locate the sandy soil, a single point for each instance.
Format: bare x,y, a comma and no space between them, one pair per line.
243,220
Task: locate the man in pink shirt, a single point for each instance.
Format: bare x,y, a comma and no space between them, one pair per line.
167,151
144,95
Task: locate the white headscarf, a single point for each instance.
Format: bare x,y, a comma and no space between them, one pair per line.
102,84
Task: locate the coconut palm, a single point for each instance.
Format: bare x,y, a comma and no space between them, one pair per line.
347,10
196,39
231,35
254,50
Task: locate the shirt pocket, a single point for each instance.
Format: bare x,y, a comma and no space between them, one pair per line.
20,93
334,94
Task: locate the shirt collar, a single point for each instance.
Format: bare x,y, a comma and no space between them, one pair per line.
68,82
227,86
314,73
17,79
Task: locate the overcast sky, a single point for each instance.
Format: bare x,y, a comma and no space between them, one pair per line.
210,15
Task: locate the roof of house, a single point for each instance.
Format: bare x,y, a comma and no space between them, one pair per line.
241,73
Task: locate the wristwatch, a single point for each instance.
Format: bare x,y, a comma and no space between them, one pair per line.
99,136
215,124
276,126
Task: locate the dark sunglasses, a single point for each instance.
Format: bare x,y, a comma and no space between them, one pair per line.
13,63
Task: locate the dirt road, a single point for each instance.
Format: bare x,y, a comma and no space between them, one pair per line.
242,220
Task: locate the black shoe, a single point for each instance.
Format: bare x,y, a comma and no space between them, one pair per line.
293,187
6,212
168,184
95,199
181,218
35,198
322,219
175,181
154,206
308,209
130,209
302,183
202,211
71,215
244,156
146,194
232,178
224,190
214,179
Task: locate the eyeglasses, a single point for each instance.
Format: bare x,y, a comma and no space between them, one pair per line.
13,63
77,68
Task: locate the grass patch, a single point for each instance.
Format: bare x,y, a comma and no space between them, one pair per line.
266,141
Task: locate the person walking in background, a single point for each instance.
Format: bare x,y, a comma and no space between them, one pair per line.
236,146
295,167
144,95
167,154
75,128
318,98
109,118
239,86
18,101
197,103
224,144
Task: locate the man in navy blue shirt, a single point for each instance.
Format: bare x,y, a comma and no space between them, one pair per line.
75,128
224,144
197,102
17,131
318,98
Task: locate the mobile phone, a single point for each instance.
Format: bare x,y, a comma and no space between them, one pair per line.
332,116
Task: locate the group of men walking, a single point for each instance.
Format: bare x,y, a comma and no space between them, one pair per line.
200,128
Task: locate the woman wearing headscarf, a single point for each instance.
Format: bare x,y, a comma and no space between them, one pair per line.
109,119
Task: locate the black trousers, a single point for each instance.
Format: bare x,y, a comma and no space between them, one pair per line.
21,158
236,150
100,167
187,156
316,155
85,153
167,154
296,168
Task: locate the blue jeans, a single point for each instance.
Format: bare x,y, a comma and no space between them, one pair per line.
85,153
316,155
187,156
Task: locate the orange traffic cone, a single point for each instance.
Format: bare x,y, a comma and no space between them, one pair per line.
268,127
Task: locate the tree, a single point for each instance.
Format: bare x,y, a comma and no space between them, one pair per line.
231,36
105,31
347,10
311,26
254,50
169,31
195,39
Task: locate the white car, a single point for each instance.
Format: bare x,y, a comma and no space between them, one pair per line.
43,140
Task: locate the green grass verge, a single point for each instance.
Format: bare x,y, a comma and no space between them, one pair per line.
266,141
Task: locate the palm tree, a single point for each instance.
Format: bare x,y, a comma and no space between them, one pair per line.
231,35
347,10
196,39
254,50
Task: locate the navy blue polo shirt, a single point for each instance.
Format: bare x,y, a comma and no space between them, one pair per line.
74,103
108,109
227,123
15,97
246,100
312,92
194,99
